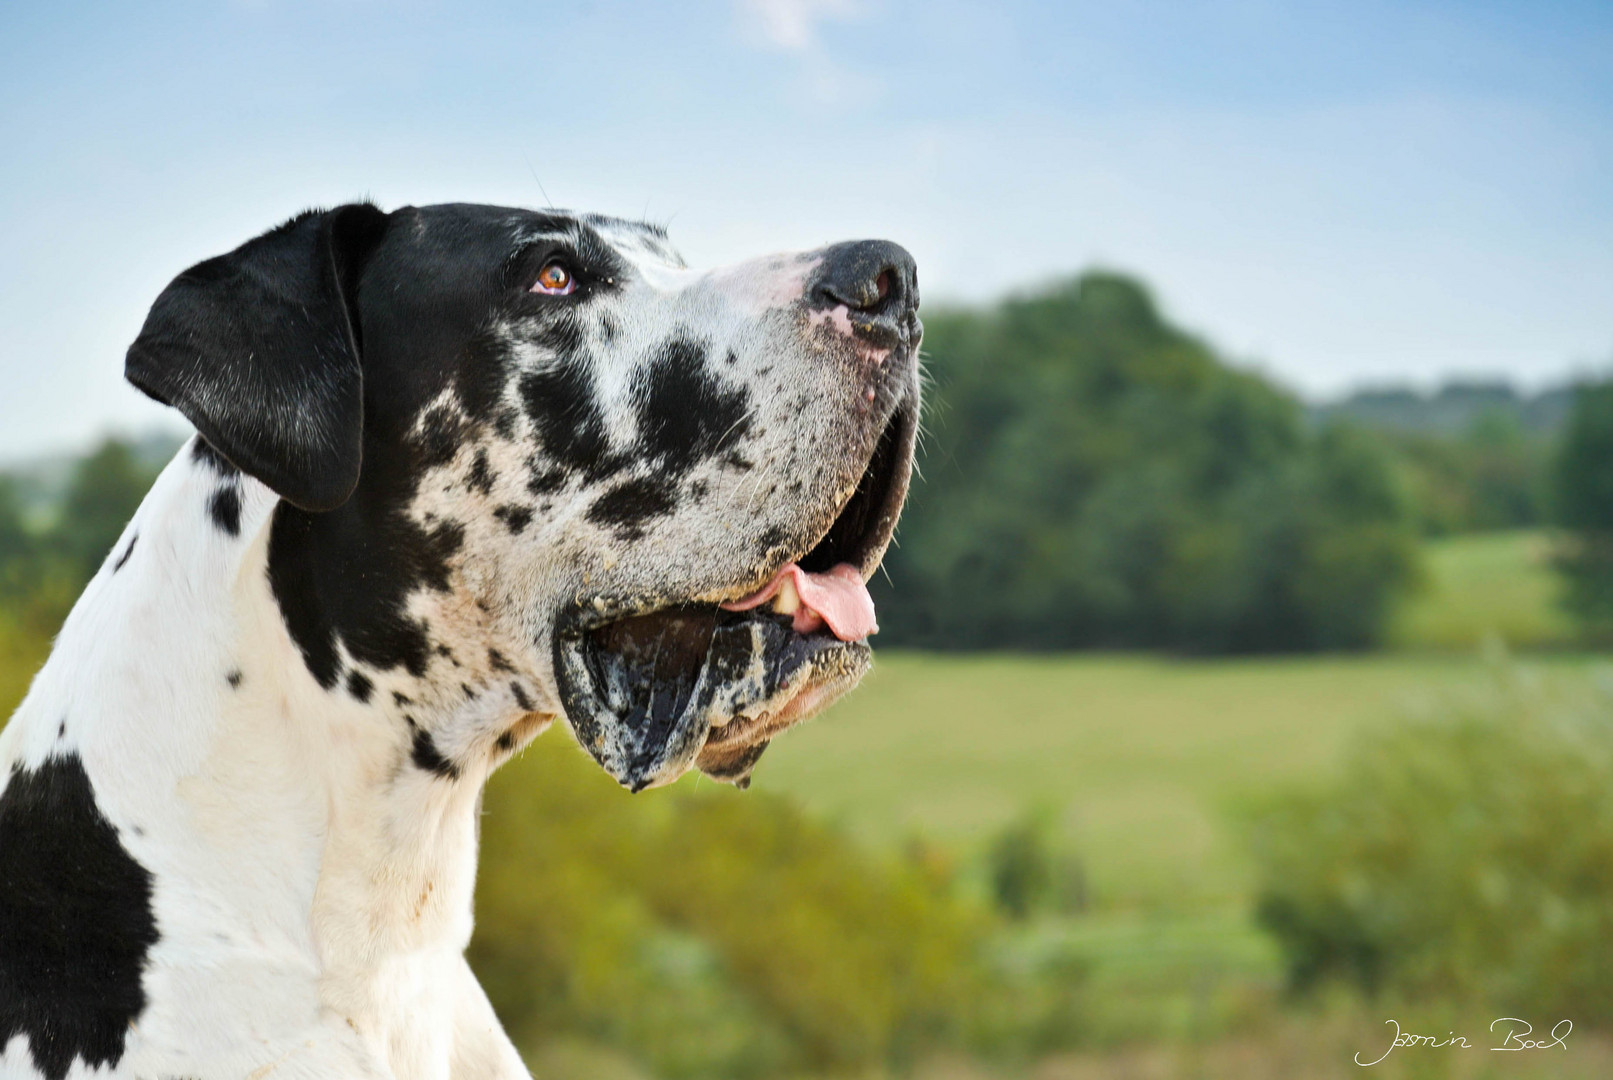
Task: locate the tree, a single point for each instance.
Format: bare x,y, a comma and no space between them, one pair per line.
1583,489
15,542
104,493
1094,476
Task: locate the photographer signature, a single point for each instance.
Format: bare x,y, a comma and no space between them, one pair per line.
1515,1036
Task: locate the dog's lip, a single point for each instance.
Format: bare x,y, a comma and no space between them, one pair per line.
750,677
747,730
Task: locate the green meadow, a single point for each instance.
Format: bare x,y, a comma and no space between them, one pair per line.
1144,762
1485,588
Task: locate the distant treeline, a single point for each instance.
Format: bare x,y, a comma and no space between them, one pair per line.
1454,408
1473,456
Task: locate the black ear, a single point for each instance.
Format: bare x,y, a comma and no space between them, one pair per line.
260,350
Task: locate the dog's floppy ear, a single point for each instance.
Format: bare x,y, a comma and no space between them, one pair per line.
260,350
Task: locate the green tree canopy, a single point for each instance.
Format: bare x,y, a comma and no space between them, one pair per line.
105,491
1093,476
15,541
1583,490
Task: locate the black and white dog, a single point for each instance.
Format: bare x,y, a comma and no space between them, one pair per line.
460,470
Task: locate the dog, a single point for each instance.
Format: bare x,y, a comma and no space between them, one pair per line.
459,470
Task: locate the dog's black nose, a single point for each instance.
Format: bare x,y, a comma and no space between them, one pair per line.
877,281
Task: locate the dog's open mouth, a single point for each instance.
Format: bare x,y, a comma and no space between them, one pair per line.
651,692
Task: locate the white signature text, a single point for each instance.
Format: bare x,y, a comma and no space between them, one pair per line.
1514,1034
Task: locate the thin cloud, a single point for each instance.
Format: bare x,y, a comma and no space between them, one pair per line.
792,25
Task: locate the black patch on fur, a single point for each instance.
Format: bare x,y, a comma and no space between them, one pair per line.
126,553
425,755
772,537
736,460
522,702
685,414
481,473
442,433
515,518
484,368
61,729
204,453
401,699
234,678
75,922
545,481
347,574
496,661
567,419
470,695
360,686
563,335
504,424
626,507
225,509
506,741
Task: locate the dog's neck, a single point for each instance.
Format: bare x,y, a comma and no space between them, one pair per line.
298,825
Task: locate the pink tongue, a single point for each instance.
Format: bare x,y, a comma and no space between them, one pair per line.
838,598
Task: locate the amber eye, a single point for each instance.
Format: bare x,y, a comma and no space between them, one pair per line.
555,278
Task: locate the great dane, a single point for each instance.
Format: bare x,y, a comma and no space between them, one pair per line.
459,470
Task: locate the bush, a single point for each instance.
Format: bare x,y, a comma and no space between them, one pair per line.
1467,857
1026,872
709,933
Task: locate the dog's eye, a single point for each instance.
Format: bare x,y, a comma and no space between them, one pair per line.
555,279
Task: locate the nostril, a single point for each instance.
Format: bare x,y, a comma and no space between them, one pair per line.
882,284
869,295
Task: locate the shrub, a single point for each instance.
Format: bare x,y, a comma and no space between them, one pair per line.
709,933
1468,855
1027,873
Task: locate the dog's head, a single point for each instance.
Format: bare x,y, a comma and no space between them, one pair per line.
655,493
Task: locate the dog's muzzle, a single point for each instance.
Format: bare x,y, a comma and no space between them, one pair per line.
654,687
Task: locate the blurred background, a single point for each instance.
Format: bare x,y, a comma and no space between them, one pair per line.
1243,677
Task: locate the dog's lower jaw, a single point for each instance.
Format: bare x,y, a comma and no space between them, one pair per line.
311,881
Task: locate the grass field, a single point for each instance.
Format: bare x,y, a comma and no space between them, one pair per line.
1145,761
1492,586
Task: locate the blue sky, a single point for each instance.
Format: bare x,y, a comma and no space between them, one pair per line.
1336,193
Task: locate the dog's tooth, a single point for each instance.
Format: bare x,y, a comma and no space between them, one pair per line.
788,601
